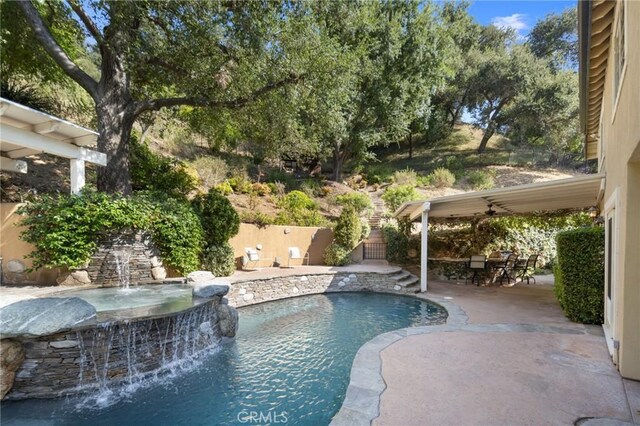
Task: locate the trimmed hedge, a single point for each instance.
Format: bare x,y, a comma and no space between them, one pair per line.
579,274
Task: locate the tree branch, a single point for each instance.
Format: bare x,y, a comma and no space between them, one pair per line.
43,35
156,104
86,20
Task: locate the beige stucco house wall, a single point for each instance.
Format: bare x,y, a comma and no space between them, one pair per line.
610,93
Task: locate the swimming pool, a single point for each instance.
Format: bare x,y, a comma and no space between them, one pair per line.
289,363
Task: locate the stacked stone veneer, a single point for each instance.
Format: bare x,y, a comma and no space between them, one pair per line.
102,355
245,293
145,265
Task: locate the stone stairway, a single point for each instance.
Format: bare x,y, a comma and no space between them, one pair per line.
407,280
378,210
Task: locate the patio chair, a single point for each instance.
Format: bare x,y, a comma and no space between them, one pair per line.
506,270
526,268
477,264
251,258
294,254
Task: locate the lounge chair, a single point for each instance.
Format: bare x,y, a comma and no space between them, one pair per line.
477,264
294,254
252,258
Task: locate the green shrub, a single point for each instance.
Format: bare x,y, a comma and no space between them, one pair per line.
299,210
296,200
405,177
65,230
157,173
257,218
348,229
311,187
442,178
224,188
366,230
287,179
219,219
424,181
240,184
397,243
336,255
177,233
579,274
379,173
395,196
360,202
261,189
480,180
301,217
212,170
219,260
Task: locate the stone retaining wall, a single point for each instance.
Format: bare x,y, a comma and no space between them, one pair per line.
145,265
99,356
245,293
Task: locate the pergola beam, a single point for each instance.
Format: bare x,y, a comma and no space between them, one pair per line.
10,165
42,143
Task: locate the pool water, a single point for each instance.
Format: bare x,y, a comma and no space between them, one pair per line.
289,363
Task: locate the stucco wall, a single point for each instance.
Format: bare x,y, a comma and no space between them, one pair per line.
275,241
620,160
12,248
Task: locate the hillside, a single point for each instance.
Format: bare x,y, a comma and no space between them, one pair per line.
500,166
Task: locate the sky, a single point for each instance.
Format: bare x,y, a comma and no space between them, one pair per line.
519,15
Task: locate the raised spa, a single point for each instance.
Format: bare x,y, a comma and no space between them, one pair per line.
291,359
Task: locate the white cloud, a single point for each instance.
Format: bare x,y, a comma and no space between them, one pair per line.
515,21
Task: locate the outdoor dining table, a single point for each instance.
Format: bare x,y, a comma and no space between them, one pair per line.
457,266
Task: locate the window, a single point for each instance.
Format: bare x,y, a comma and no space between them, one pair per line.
619,50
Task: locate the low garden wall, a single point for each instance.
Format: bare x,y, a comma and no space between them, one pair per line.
13,251
250,292
275,240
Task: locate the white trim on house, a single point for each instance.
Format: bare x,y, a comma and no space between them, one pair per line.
572,193
25,131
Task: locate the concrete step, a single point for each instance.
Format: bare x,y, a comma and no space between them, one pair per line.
401,276
409,281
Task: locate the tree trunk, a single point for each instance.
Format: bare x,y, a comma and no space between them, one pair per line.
115,123
338,163
491,129
116,114
410,138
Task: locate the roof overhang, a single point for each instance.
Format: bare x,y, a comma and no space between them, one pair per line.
562,194
595,22
25,131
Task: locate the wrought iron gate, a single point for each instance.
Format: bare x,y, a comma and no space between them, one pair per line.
374,251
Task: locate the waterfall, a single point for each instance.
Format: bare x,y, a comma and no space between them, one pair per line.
118,358
122,267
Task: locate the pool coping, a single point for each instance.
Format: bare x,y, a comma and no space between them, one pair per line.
361,405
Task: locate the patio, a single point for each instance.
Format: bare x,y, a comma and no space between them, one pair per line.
506,356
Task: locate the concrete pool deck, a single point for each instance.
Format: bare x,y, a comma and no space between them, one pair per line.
507,356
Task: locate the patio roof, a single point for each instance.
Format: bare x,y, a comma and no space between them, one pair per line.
572,193
25,131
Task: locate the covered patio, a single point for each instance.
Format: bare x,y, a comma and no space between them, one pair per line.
563,194
25,131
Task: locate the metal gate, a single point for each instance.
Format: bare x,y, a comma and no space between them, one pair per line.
371,251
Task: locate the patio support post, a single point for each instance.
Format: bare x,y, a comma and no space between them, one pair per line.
423,247
77,175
